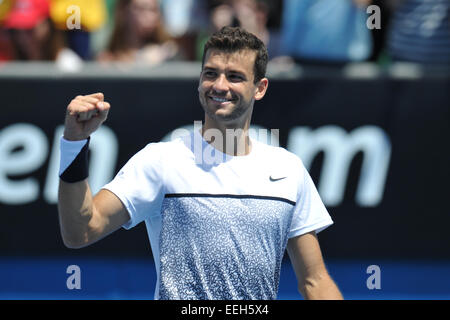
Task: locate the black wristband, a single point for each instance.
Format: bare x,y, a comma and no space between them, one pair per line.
78,170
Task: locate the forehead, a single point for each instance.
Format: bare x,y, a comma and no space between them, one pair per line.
242,60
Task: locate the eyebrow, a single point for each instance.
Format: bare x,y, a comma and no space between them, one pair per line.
207,68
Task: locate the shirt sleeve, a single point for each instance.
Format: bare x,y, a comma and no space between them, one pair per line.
310,213
139,185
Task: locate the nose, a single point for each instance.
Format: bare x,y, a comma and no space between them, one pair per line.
220,84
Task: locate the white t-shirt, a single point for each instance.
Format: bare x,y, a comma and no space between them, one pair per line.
218,225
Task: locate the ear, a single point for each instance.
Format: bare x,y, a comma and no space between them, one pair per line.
261,88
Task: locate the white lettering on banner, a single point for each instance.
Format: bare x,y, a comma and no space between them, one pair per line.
340,148
103,157
23,149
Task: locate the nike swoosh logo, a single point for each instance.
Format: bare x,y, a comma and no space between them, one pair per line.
276,179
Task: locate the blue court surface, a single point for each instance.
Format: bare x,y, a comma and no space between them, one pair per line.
34,278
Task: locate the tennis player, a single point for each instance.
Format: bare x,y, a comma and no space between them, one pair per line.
220,208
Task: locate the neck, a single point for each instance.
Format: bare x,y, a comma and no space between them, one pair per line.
231,139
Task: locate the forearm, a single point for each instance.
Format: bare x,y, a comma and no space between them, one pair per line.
75,208
320,288
80,222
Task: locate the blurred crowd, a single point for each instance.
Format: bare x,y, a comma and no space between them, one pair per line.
325,32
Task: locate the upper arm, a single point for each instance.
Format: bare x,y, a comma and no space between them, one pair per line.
306,258
108,215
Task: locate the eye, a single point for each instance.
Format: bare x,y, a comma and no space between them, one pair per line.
236,77
209,74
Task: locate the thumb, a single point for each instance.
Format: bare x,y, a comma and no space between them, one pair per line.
103,108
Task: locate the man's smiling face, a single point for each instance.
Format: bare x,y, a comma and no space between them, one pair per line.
227,90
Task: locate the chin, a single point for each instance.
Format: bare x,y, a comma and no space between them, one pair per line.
229,117
224,114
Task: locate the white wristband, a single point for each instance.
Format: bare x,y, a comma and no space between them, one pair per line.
69,151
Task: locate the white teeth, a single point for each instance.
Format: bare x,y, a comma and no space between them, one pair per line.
219,99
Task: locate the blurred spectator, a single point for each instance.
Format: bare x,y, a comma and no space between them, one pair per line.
92,16
33,35
183,16
252,15
363,4
221,14
420,31
330,32
139,34
184,20
6,49
5,6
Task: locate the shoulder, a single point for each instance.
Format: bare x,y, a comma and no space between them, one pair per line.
161,148
278,155
281,161
153,157
165,149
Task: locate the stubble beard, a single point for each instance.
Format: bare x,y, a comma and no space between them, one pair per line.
236,113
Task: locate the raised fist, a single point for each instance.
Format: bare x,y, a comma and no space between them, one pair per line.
84,115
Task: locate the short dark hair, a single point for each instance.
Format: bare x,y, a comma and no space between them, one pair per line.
232,39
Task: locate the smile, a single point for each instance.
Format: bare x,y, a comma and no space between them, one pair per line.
220,100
